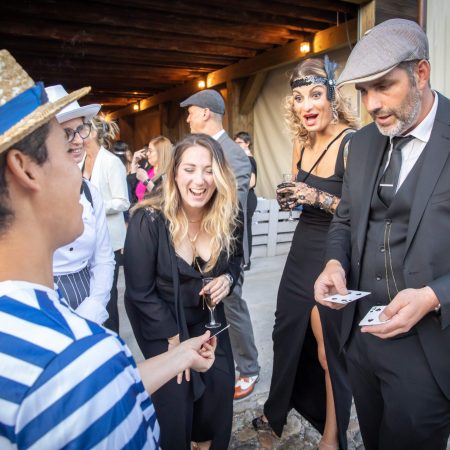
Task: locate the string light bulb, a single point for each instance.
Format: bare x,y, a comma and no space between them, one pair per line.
136,106
202,84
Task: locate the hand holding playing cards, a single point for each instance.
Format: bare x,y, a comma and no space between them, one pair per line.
331,281
405,310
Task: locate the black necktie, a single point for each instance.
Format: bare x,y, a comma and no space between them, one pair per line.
389,180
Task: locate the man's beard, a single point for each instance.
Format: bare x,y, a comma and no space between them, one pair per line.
406,114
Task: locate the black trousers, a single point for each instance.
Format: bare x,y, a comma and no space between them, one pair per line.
399,404
252,202
113,310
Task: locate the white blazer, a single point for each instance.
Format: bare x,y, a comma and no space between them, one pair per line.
110,178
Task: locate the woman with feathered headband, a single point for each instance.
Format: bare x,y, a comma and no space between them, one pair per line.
308,373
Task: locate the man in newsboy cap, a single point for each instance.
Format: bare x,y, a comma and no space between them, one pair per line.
65,382
391,237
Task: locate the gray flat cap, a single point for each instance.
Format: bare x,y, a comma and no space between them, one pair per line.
382,49
209,98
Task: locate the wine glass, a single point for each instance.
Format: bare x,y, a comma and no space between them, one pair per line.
211,306
288,179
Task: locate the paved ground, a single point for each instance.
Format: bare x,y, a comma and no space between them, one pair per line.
260,290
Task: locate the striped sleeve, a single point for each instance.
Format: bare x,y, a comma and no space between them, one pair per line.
89,396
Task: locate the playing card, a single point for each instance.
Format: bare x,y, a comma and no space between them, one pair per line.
373,316
344,299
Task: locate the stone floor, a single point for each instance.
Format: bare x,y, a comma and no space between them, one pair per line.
260,291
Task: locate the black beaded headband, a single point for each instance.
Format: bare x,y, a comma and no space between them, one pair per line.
329,82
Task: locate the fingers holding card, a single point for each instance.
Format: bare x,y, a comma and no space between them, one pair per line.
373,316
344,299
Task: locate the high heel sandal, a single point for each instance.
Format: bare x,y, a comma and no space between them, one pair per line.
261,425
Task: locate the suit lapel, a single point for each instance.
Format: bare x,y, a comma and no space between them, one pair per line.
436,154
372,163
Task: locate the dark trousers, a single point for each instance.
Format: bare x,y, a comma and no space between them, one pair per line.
399,404
113,320
252,202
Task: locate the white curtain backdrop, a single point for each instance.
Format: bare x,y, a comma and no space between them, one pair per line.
438,31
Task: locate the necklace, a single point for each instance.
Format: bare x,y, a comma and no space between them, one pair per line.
194,239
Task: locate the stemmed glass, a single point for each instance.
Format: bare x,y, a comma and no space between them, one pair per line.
211,306
287,180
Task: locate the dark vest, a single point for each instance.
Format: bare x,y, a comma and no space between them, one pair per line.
386,224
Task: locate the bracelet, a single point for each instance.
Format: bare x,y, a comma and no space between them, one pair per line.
437,309
145,183
229,278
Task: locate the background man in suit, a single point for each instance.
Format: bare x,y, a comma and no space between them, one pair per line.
206,109
391,236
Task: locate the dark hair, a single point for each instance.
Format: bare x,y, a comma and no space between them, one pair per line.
120,149
244,136
33,145
410,68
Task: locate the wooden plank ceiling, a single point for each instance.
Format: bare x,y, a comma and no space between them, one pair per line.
128,50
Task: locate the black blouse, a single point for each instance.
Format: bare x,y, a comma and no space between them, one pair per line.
149,280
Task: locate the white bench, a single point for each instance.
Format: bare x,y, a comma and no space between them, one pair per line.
272,232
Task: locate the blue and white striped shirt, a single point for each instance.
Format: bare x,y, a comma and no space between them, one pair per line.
66,382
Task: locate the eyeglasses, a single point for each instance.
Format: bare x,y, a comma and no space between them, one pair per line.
83,131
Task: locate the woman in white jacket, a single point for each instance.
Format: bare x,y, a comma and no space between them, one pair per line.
84,269
107,173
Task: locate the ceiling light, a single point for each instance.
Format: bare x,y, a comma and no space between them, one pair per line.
305,47
136,106
202,84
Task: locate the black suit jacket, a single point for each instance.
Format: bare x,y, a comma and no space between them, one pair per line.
427,256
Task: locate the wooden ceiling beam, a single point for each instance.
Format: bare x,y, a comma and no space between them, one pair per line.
44,30
156,23
334,37
54,50
296,10
95,68
325,5
331,38
206,10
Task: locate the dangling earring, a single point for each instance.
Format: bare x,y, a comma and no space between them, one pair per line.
334,113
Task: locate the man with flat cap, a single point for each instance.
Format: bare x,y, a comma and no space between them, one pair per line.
391,237
205,115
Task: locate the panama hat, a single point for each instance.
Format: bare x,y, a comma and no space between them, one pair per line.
382,49
23,103
73,110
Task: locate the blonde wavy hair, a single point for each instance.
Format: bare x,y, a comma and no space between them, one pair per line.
163,148
220,217
107,131
315,66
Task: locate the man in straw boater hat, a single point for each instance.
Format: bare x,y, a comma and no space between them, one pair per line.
64,381
391,237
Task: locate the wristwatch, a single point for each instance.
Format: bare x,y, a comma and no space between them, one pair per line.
145,183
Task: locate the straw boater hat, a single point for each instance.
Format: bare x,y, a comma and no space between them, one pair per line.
23,103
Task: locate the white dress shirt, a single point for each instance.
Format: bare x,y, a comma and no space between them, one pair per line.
414,148
110,178
92,249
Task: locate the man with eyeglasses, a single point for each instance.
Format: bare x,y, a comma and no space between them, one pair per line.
84,269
